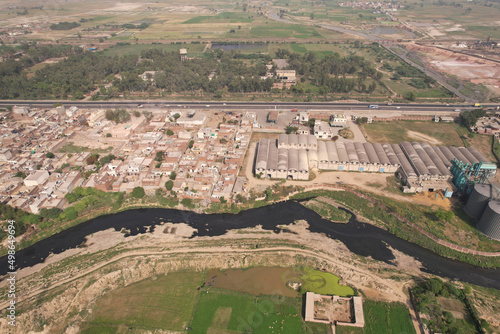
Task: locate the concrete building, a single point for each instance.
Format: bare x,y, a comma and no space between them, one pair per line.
338,120
322,130
37,178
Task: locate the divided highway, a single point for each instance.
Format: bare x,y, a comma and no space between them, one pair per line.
244,105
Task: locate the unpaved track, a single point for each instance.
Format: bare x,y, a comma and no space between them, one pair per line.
399,294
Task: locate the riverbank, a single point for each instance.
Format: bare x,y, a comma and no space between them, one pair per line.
63,288
366,207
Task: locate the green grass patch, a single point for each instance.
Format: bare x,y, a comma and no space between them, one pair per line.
164,303
323,283
386,318
223,311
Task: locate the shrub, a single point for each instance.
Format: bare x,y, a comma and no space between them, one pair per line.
138,192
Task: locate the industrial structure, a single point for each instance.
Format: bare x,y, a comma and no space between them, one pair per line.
483,206
420,166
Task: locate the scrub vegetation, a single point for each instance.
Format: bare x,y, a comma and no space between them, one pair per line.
423,216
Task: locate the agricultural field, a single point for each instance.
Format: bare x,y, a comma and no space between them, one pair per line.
220,311
176,301
387,318
166,302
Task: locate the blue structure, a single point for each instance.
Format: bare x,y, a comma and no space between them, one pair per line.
465,176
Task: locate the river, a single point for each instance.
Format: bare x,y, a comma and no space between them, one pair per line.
360,238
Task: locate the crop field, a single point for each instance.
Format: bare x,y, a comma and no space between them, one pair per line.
220,311
176,301
386,318
166,302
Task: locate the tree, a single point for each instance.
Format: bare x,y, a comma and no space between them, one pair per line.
92,159
170,132
106,159
191,143
269,193
20,174
173,175
70,213
49,155
435,285
291,129
159,156
169,184
138,192
108,135
187,202
410,96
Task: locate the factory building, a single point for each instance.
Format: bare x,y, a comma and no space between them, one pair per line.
420,166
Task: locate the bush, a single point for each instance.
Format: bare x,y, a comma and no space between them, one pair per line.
187,202
138,192
108,135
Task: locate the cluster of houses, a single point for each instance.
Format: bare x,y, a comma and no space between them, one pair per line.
45,154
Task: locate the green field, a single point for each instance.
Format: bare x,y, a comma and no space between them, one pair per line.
176,301
166,302
219,311
386,318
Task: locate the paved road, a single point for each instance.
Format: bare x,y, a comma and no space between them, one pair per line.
399,107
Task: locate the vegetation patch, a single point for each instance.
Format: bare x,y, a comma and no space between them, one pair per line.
323,283
149,305
423,216
233,312
386,318
445,308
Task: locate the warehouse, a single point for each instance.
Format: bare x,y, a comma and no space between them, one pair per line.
420,166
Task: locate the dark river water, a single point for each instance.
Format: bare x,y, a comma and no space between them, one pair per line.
362,239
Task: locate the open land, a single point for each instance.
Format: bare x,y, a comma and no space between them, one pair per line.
165,281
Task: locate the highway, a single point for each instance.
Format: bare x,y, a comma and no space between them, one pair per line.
341,106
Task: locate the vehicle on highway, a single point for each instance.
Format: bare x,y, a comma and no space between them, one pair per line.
374,106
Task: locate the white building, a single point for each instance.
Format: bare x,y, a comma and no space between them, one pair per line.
338,120
322,130
36,179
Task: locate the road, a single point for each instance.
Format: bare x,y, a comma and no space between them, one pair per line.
396,107
403,54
